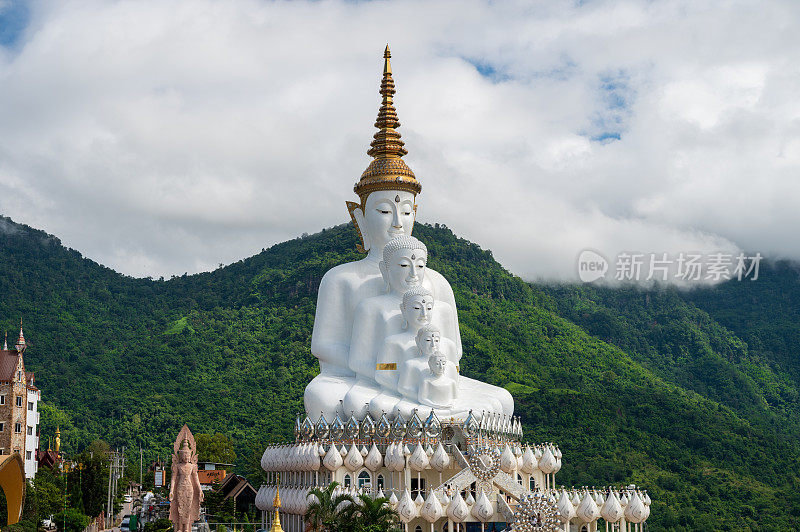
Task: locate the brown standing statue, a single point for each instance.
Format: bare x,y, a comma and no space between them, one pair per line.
185,494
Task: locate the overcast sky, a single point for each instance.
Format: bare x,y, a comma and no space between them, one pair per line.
170,136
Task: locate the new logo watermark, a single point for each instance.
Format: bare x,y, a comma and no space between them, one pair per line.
682,267
591,266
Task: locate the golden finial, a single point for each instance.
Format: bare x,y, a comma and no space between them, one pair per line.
387,171
276,502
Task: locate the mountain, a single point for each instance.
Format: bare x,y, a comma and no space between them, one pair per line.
691,394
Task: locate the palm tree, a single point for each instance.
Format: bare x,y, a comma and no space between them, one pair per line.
371,515
326,512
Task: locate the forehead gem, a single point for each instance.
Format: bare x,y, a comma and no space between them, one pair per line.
413,257
397,199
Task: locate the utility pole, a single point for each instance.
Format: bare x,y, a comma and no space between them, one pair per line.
109,509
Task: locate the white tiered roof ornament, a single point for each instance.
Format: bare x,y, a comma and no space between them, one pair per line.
387,337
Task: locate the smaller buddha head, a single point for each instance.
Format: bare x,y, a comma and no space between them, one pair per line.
428,338
437,362
417,307
403,266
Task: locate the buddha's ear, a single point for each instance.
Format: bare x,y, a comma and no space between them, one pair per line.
357,216
385,274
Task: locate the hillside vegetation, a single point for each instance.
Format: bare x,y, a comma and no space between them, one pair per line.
692,394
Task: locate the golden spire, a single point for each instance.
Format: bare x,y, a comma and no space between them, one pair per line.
276,502
387,171
58,440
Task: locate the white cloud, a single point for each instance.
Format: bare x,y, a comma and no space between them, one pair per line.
163,137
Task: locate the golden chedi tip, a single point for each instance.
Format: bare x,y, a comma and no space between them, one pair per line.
387,171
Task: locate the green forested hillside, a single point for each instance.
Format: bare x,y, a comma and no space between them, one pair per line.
693,395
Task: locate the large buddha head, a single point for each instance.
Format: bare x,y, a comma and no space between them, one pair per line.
403,264
387,188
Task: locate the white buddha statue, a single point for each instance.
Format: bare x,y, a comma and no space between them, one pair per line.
378,319
417,310
429,379
387,208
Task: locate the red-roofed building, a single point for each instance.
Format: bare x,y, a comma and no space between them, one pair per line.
19,406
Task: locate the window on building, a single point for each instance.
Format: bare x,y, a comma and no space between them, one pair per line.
19,375
27,455
347,481
30,405
380,482
363,479
2,399
417,487
2,451
2,427
19,400
17,427
531,484
30,430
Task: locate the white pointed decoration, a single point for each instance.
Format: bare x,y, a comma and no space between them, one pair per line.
587,510
429,450
566,510
646,499
363,451
419,501
406,509
265,459
388,458
482,510
419,459
529,463
431,509
611,510
470,499
547,463
380,494
406,450
393,501
508,462
576,500
635,512
333,459
457,510
343,451
440,460
373,459
353,461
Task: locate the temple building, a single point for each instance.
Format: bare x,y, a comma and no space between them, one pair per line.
19,406
390,415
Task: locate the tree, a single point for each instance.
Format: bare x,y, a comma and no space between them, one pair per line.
325,510
371,515
71,520
215,448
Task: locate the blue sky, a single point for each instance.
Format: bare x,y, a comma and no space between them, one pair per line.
14,17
